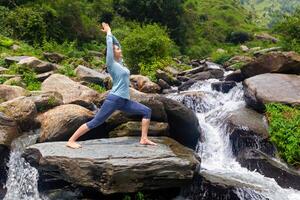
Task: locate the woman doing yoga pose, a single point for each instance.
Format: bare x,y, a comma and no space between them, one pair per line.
118,98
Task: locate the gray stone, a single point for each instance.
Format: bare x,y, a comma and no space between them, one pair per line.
92,76
266,88
133,128
117,165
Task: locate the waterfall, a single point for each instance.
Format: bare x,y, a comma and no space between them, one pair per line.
218,162
22,178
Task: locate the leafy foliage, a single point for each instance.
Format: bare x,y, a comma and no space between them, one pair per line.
285,131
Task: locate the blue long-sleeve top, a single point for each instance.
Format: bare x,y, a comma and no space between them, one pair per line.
119,73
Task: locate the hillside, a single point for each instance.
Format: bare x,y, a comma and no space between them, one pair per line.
267,12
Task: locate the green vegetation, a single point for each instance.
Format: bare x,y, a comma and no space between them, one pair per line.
97,87
289,29
145,44
28,76
285,131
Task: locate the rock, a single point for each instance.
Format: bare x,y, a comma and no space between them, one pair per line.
254,49
179,117
46,100
193,100
171,70
15,47
183,78
37,65
276,88
244,48
9,130
203,189
237,59
134,129
54,57
236,76
71,91
163,84
211,73
22,110
167,91
167,77
91,76
62,121
187,85
220,51
8,92
264,51
274,62
17,81
95,53
14,59
3,70
144,84
224,86
266,37
267,166
116,165
193,71
43,76
248,130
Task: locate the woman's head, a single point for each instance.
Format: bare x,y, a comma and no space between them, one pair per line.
117,52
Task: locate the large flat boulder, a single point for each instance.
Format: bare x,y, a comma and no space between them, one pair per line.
117,165
271,87
9,92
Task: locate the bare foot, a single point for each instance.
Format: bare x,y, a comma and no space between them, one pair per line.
73,145
147,141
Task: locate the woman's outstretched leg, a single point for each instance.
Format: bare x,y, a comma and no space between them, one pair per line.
134,107
107,108
79,132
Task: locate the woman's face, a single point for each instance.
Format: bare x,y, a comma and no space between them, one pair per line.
117,52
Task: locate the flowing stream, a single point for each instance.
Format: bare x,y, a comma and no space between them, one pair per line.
218,163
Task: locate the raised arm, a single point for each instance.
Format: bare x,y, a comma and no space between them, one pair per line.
109,49
116,42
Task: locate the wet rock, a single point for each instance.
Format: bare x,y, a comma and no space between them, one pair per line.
21,109
274,62
186,85
248,130
9,130
167,77
268,166
71,91
193,71
193,100
117,164
236,76
144,84
183,78
163,84
133,128
62,121
224,86
266,88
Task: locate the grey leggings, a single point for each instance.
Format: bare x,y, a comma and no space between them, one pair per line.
113,103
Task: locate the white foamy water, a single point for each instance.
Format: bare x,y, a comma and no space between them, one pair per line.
218,163
22,180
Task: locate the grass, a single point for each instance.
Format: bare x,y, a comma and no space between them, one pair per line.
284,127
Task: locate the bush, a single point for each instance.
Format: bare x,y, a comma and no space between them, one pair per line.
220,57
284,127
6,42
289,29
238,37
27,24
149,69
145,44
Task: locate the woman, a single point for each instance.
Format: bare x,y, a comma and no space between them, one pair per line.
118,98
